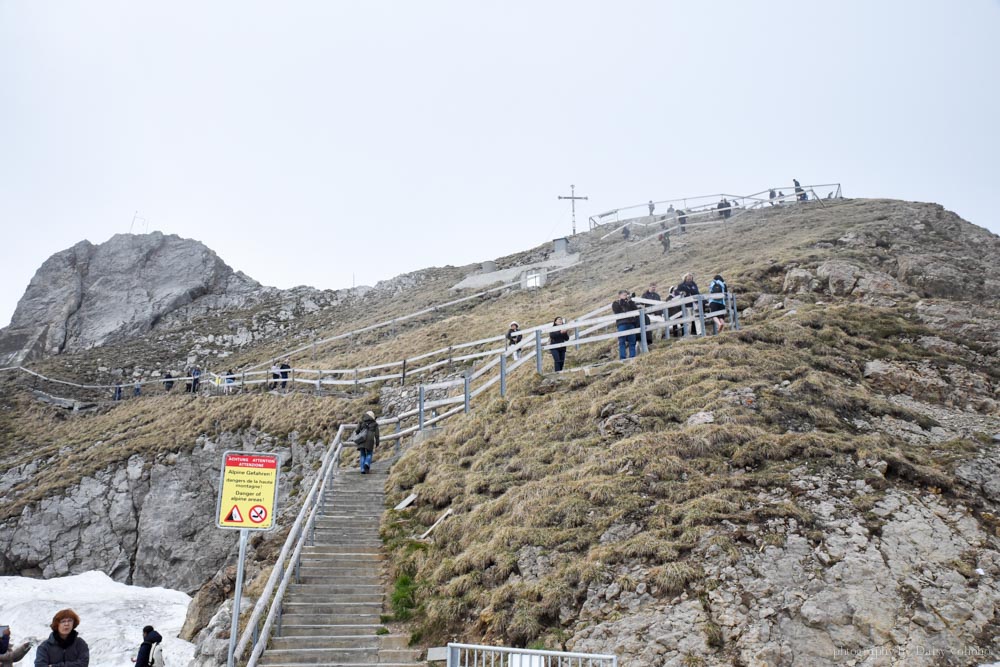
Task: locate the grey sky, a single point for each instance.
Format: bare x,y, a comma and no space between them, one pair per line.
309,142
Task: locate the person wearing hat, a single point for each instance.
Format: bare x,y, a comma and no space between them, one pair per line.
513,338
366,439
64,647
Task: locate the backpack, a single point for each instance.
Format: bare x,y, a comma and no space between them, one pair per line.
156,656
717,287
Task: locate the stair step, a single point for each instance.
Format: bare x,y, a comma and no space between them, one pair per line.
366,618
343,629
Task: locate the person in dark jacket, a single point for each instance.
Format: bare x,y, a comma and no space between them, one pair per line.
64,647
366,440
688,287
625,304
513,338
682,218
284,369
149,638
555,338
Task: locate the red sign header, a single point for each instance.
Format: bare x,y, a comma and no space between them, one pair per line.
250,461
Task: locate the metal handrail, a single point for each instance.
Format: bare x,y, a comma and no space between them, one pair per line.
312,504
598,221
459,655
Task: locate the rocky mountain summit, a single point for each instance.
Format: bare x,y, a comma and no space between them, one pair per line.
91,295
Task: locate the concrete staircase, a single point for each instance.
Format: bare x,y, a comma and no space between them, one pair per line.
331,618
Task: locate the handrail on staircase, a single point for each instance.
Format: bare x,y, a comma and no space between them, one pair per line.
297,536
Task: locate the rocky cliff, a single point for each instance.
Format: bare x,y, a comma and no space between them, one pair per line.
91,295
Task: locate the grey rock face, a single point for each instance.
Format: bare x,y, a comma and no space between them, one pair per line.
90,295
149,524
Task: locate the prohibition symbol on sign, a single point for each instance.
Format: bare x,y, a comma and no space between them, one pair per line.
258,513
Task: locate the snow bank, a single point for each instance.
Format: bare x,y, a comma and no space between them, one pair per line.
111,615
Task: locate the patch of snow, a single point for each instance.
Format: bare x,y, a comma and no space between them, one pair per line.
112,615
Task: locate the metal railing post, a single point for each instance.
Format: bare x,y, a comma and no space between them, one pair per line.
503,374
420,407
538,351
701,313
467,382
576,337
642,330
402,378
396,447
736,315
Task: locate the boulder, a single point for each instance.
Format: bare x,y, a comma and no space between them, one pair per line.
800,281
840,277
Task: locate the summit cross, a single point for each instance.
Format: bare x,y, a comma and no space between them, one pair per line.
572,201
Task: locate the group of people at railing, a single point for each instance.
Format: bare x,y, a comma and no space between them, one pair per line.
714,310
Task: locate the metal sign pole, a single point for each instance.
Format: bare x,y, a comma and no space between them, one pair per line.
237,595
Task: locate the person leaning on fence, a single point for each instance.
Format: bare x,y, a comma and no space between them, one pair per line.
168,381
366,439
716,306
555,338
513,338
686,288
673,313
285,369
625,304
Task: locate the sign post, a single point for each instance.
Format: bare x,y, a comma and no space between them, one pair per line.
248,497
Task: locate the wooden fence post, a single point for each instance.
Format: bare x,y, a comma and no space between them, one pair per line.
538,351
467,382
642,330
503,374
420,407
701,313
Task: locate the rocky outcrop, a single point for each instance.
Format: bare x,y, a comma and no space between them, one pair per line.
90,294
149,523
914,578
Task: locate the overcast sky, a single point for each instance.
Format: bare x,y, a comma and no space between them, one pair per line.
325,143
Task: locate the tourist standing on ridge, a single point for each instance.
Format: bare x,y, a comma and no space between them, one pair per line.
118,392
800,194
366,439
137,388
771,195
195,379
665,241
688,288
150,652
682,218
626,233
284,368
625,304
651,293
64,647
652,207
168,381
717,303
513,338
555,338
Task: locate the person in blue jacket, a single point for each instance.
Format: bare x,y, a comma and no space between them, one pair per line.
150,638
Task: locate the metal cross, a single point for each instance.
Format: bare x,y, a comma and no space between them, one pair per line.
572,201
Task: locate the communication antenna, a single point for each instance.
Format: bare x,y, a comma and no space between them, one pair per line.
572,202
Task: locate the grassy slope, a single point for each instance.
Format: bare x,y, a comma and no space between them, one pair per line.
541,472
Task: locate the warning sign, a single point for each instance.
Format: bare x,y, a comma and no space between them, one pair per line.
249,490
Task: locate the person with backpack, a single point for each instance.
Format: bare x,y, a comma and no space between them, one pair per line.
717,304
366,439
150,653
688,287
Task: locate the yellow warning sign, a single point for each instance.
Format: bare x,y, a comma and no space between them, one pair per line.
248,493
